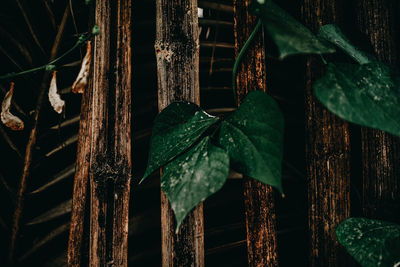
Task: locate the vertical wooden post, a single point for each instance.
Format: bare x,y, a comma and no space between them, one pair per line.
80,190
327,156
110,158
104,154
258,198
177,52
380,151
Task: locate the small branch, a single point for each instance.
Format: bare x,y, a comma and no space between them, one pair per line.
28,23
31,144
50,66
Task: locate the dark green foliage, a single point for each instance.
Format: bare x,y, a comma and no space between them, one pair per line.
253,137
194,176
290,36
372,243
368,95
333,34
176,128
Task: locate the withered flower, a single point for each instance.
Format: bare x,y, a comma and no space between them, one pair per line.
55,100
7,118
83,76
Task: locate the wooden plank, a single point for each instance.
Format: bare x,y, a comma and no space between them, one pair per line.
380,151
327,155
104,151
258,197
177,53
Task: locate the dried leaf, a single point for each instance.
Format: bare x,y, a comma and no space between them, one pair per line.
55,100
7,118
81,81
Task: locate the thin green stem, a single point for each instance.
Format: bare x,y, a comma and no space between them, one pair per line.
240,56
82,39
324,60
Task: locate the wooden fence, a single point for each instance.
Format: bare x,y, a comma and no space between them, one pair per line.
332,150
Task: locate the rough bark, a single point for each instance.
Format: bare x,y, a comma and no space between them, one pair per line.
177,53
80,190
380,151
104,153
110,158
258,197
327,156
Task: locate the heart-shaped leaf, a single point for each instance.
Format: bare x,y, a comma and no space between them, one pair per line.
253,137
290,36
372,243
368,94
334,35
193,176
175,129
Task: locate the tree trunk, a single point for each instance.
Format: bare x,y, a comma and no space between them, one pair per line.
258,197
327,156
104,154
177,53
380,151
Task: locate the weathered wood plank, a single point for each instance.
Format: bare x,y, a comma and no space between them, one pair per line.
104,150
177,53
327,155
110,157
258,198
380,151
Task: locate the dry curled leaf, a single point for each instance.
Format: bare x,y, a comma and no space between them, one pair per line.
82,79
55,100
7,118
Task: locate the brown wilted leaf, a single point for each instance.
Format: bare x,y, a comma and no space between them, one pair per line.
82,79
55,100
7,118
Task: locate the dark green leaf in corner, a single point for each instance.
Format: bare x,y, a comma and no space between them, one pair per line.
372,243
253,137
175,129
333,34
193,176
368,94
290,36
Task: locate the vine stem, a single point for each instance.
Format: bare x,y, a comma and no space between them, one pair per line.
82,39
240,56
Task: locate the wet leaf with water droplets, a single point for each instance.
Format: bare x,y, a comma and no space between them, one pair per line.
290,36
176,128
253,137
368,94
333,34
194,176
372,243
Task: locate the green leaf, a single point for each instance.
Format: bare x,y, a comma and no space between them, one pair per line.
334,35
290,36
176,128
253,137
372,243
368,94
194,176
